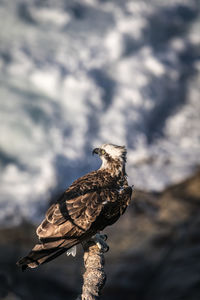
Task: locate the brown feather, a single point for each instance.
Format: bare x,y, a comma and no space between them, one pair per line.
91,203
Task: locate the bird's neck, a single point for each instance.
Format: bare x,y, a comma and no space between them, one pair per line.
116,168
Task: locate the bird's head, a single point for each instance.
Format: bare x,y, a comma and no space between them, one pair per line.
111,155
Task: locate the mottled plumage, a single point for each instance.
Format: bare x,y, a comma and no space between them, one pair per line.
91,203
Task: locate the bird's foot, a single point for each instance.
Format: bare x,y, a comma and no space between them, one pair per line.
100,239
102,236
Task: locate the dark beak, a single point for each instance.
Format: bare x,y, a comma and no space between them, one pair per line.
95,151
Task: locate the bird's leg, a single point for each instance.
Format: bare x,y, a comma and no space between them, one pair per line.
100,239
102,236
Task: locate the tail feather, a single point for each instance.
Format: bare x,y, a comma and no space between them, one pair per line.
41,254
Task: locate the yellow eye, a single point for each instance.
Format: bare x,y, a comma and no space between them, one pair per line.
103,151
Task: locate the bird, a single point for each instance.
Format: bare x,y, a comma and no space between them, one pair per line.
91,203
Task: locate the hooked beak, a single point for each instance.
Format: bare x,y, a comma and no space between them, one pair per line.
95,151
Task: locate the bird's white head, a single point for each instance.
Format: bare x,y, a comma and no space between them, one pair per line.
111,154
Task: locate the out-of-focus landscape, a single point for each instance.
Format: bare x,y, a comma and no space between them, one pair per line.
74,75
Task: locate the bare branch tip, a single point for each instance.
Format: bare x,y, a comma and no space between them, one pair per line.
94,277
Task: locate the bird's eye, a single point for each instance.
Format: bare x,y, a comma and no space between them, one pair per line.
103,151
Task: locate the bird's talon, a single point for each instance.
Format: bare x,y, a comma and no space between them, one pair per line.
105,237
102,236
107,249
100,242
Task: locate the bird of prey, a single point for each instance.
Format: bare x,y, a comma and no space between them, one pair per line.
91,203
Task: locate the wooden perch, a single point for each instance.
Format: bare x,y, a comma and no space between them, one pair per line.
94,277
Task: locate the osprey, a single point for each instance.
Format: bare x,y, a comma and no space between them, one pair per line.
91,203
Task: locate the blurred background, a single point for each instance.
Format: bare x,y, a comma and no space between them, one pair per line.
76,74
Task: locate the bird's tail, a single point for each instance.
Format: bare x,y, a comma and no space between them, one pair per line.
44,252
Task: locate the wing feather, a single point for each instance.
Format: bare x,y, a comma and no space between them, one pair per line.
72,217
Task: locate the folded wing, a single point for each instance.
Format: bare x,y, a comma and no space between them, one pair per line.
67,223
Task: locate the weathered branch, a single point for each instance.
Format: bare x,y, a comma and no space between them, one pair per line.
94,277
